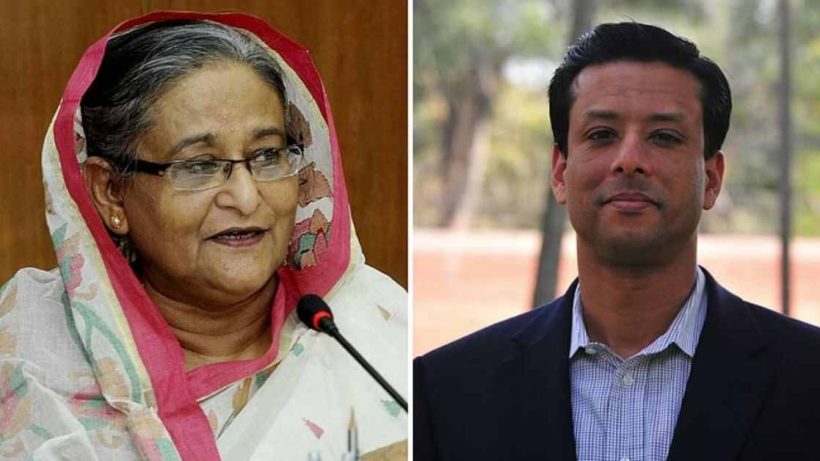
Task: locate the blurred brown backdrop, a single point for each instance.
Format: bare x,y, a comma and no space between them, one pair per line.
359,47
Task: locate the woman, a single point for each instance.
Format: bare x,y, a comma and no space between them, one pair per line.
194,193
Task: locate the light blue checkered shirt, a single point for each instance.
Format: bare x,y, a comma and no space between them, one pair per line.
626,410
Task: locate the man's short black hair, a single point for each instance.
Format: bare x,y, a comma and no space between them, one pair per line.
632,41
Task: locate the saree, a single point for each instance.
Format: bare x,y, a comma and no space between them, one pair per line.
89,368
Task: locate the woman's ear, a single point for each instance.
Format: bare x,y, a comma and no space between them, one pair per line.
105,185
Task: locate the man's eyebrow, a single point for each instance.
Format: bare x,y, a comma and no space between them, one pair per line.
657,117
207,138
667,117
601,115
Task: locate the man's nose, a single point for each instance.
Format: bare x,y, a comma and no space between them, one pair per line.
631,156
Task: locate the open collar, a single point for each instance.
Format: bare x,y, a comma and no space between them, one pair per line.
730,374
683,332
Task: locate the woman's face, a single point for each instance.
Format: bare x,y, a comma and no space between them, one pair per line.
218,246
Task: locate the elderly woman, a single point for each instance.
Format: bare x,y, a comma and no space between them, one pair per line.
194,193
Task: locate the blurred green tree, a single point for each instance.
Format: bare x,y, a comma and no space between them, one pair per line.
480,76
460,49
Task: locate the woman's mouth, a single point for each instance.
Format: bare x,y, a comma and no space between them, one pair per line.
239,237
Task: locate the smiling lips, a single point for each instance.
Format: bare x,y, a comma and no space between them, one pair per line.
630,202
239,236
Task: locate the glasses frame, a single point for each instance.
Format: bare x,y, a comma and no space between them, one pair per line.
158,169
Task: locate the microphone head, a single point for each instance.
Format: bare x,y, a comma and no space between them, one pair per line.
311,310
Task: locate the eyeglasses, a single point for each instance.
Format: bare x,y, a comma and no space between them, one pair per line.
195,175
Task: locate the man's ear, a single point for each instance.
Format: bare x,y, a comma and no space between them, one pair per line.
714,179
106,185
559,165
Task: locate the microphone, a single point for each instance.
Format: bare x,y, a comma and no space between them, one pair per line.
314,312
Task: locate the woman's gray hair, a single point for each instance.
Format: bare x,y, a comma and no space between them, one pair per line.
140,64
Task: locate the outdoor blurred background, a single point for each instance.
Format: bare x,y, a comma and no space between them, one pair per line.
483,149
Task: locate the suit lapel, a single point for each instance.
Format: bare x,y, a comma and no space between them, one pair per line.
536,417
727,383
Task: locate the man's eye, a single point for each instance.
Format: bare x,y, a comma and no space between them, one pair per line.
601,135
667,138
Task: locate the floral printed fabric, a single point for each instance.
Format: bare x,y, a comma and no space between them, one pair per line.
90,370
305,405
52,404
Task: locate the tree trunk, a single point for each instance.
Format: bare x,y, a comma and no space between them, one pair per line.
469,106
552,224
475,176
787,148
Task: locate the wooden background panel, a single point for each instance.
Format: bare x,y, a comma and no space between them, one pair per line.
42,42
359,47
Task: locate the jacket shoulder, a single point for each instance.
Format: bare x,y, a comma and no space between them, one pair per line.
786,333
489,346
742,319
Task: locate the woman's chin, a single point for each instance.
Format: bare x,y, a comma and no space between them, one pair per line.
241,283
242,269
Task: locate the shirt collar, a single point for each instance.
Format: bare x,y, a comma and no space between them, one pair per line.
683,332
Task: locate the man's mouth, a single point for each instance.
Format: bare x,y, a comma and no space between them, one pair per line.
630,201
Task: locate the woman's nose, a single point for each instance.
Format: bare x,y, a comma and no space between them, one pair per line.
240,191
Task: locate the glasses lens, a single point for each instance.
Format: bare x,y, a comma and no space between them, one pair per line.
197,175
272,164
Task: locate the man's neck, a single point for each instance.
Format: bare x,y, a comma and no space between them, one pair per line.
627,308
240,331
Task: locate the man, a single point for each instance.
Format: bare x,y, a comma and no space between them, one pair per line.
645,357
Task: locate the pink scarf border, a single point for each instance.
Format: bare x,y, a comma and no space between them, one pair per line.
177,392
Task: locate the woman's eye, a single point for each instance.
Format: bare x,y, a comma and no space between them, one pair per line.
267,156
201,167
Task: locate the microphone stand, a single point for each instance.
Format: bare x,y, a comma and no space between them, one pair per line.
330,328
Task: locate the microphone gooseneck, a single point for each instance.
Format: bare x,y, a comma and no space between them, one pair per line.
314,312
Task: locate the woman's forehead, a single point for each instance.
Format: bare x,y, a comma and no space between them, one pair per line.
213,105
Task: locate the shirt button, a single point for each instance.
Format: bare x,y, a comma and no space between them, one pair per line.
628,379
590,350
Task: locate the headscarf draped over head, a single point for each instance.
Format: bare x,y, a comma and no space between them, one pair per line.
135,358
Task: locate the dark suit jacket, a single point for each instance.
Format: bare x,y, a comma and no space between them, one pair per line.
503,393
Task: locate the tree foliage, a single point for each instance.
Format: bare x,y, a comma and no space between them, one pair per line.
521,40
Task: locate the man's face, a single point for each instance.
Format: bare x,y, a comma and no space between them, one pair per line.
634,179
